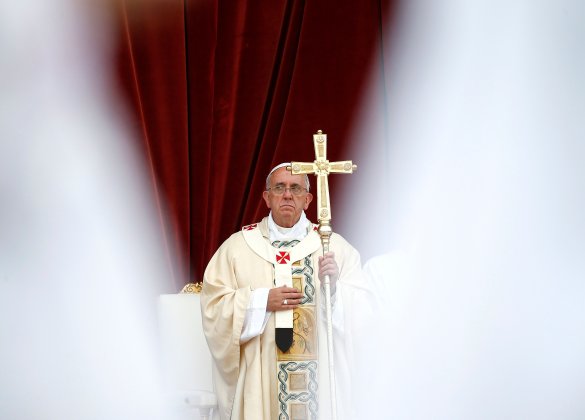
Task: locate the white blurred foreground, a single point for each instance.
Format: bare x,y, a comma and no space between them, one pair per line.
481,285
79,269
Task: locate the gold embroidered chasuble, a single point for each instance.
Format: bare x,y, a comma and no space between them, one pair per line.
253,380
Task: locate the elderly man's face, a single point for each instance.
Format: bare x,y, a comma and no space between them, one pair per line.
287,207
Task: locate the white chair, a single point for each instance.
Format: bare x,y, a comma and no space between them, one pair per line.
186,360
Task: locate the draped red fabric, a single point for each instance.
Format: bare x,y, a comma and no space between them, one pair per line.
221,91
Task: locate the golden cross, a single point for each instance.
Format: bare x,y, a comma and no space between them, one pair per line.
321,167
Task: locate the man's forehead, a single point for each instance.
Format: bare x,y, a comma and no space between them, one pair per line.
282,176
284,183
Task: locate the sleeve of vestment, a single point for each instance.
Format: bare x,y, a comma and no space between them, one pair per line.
256,315
354,299
350,287
353,292
350,312
223,308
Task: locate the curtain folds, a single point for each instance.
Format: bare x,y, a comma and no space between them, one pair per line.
221,91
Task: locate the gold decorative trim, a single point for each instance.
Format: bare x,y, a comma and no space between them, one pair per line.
192,288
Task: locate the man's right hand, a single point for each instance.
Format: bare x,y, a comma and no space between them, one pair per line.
283,298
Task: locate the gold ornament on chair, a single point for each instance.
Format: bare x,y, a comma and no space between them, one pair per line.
192,288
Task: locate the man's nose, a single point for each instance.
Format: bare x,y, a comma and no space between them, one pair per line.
287,192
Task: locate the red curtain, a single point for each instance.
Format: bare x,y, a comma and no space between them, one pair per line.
221,91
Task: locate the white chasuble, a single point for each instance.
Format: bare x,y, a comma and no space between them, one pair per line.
251,380
296,368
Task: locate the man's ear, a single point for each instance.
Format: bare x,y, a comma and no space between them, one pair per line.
308,200
265,197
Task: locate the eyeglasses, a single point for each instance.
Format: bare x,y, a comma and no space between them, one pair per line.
279,189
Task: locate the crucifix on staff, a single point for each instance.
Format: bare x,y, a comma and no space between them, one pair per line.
321,167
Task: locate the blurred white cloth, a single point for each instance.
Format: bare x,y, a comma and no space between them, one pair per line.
481,309
80,262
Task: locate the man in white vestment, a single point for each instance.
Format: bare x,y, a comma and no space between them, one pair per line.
264,312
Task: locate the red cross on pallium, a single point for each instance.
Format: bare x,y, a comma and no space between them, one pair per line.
250,227
282,257
316,228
